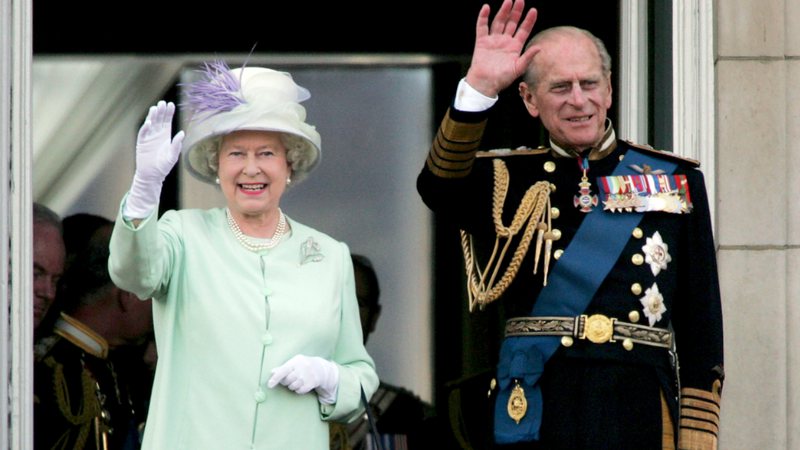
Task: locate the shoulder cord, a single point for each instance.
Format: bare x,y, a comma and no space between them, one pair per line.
534,209
89,407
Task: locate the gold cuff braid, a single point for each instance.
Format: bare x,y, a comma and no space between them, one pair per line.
700,412
453,151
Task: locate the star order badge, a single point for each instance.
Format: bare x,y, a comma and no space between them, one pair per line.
653,304
656,253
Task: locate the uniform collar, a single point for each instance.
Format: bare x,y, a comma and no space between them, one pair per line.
607,145
82,336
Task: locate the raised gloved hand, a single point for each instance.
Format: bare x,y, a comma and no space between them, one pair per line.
303,373
156,154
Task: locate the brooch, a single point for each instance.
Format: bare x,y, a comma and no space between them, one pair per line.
310,251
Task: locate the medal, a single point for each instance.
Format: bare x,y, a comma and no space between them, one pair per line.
585,200
644,193
517,403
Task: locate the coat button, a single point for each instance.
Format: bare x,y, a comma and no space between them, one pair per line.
633,316
627,344
550,167
636,288
260,396
637,233
555,212
566,341
637,259
266,338
557,254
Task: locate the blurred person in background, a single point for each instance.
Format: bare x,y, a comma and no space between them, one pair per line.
402,418
49,256
88,370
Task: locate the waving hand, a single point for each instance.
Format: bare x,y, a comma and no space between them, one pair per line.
497,59
157,152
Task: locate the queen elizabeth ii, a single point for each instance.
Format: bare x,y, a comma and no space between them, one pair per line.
256,319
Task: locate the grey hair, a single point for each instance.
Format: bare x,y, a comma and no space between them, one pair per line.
43,214
299,154
532,77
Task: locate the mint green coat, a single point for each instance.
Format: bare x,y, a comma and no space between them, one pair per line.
225,317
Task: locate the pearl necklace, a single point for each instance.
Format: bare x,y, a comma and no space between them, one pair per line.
261,244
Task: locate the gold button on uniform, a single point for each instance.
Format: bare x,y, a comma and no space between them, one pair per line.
636,288
627,344
552,187
556,234
638,233
555,212
557,254
550,166
633,316
637,259
566,341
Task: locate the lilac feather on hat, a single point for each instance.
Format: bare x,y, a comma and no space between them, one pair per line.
218,91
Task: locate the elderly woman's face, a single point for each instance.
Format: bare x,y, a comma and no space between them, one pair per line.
253,171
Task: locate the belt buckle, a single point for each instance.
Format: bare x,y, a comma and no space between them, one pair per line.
597,328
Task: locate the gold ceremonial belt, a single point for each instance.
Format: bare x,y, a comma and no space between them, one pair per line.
597,328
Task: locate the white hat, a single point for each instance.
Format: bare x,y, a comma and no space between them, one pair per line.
247,98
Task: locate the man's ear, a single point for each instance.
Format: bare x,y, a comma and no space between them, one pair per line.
528,99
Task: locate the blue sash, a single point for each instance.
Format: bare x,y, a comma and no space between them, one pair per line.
570,288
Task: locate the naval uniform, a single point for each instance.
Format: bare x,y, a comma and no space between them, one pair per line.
84,393
621,393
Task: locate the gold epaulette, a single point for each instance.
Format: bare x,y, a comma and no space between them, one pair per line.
665,154
520,151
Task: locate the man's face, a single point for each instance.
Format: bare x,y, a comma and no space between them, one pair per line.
572,94
48,266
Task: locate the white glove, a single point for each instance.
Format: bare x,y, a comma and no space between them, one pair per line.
156,154
303,373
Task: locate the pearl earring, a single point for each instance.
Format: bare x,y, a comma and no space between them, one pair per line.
217,180
289,181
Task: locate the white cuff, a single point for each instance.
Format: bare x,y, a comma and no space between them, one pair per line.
470,100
